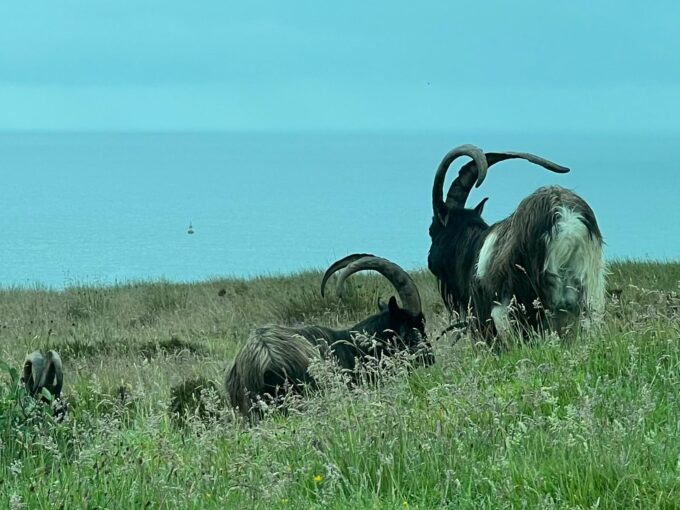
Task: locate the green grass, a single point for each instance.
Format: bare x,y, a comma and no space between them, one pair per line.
589,423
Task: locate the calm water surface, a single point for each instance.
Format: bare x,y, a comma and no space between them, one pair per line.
107,208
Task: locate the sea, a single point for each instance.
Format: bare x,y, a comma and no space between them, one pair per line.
114,208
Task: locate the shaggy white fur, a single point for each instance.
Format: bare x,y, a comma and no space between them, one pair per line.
485,255
575,258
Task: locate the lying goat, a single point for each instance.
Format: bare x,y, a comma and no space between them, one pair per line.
540,268
277,357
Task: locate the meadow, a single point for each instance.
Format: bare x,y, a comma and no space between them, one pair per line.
588,422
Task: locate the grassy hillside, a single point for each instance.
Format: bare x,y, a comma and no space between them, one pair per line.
593,423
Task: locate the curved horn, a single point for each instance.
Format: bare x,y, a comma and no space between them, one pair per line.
34,366
402,282
466,179
53,375
461,186
340,264
43,372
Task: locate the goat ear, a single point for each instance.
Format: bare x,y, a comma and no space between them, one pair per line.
479,208
393,306
381,305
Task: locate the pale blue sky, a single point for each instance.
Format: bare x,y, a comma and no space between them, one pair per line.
580,66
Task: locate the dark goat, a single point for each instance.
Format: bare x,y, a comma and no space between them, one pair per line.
277,357
541,267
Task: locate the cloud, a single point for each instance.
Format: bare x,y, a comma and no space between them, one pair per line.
77,64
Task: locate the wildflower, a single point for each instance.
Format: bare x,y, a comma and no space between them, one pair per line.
16,467
15,502
318,478
405,503
284,501
387,459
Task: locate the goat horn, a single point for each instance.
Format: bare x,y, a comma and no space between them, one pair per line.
53,374
43,372
338,265
402,282
466,179
461,186
34,366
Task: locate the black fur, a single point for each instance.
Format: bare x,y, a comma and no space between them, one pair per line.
517,270
391,330
394,329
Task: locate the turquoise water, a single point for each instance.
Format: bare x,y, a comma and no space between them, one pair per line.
107,208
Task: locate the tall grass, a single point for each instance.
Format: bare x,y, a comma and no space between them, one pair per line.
590,423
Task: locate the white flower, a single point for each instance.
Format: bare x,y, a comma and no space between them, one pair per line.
16,467
15,502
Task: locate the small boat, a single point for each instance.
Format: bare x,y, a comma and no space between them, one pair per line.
191,229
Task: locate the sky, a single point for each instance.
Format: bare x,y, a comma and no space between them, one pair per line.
577,66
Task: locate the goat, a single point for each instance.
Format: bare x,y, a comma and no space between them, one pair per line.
541,267
43,372
278,357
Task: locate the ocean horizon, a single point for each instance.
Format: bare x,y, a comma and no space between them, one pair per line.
113,208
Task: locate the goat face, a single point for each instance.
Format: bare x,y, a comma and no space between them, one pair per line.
406,331
397,328
453,252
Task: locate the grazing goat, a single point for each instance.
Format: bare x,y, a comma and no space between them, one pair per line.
277,357
540,268
43,372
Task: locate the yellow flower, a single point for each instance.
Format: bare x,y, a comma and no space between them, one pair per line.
405,504
284,501
318,478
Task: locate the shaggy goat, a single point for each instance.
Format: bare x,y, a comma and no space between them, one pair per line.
541,267
43,372
277,357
